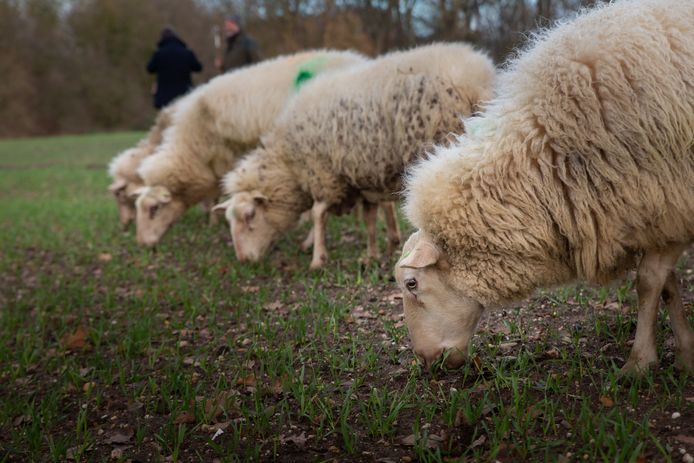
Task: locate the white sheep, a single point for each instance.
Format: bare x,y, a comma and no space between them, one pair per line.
350,134
580,168
213,127
123,168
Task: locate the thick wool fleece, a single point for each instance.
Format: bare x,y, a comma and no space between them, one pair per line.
125,165
584,160
353,132
222,120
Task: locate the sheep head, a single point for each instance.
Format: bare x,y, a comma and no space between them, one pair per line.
251,231
156,209
120,189
441,319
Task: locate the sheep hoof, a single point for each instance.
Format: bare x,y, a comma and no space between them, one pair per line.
685,358
306,245
318,263
637,367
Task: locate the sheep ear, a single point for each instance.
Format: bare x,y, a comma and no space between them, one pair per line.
259,199
221,208
423,255
137,192
164,197
117,185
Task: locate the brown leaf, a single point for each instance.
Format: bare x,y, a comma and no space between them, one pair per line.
552,353
76,341
248,381
105,257
184,417
685,439
477,361
606,402
360,313
21,419
534,412
299,439
479,441
432,441
273,306
276,388
119,438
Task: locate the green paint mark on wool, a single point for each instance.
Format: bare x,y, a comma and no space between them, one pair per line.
308,71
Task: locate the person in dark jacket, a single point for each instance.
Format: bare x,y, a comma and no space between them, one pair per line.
241,49
173,63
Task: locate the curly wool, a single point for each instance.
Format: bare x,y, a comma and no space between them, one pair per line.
223,119
353,132
584,160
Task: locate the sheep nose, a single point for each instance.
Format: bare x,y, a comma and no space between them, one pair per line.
428,356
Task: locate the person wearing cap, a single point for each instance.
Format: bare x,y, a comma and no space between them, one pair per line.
172,62
241,49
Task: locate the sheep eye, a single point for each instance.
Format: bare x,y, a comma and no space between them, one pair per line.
411,284
152,211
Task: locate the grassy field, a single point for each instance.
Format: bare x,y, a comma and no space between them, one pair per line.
109,352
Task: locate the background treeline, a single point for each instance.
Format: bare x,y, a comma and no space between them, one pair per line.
79,65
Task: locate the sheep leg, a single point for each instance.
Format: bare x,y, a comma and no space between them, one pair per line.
319,213
355,212
212,218
684,336
392,227
370,218
308,241
652,274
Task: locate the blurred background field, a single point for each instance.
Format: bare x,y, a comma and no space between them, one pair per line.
110,352
75,66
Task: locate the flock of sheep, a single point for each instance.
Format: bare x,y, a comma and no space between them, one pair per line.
575,162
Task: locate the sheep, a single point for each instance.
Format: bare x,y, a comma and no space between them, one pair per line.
123,168
347,136
215,125
580,168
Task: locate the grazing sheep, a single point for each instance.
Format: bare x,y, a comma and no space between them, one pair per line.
215,125
582,167
123,168
348,135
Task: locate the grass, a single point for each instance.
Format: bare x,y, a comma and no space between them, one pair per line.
112,352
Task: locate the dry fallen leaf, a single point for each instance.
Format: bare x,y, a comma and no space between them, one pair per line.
184,417
477,362
105,257
248,381
433,441
276,388
360,313
273,306
76,341
119,438
215,427
606,402
479,441
299,439
685,439
21,419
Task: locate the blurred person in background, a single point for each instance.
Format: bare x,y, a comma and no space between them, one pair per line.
241,49
173,62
